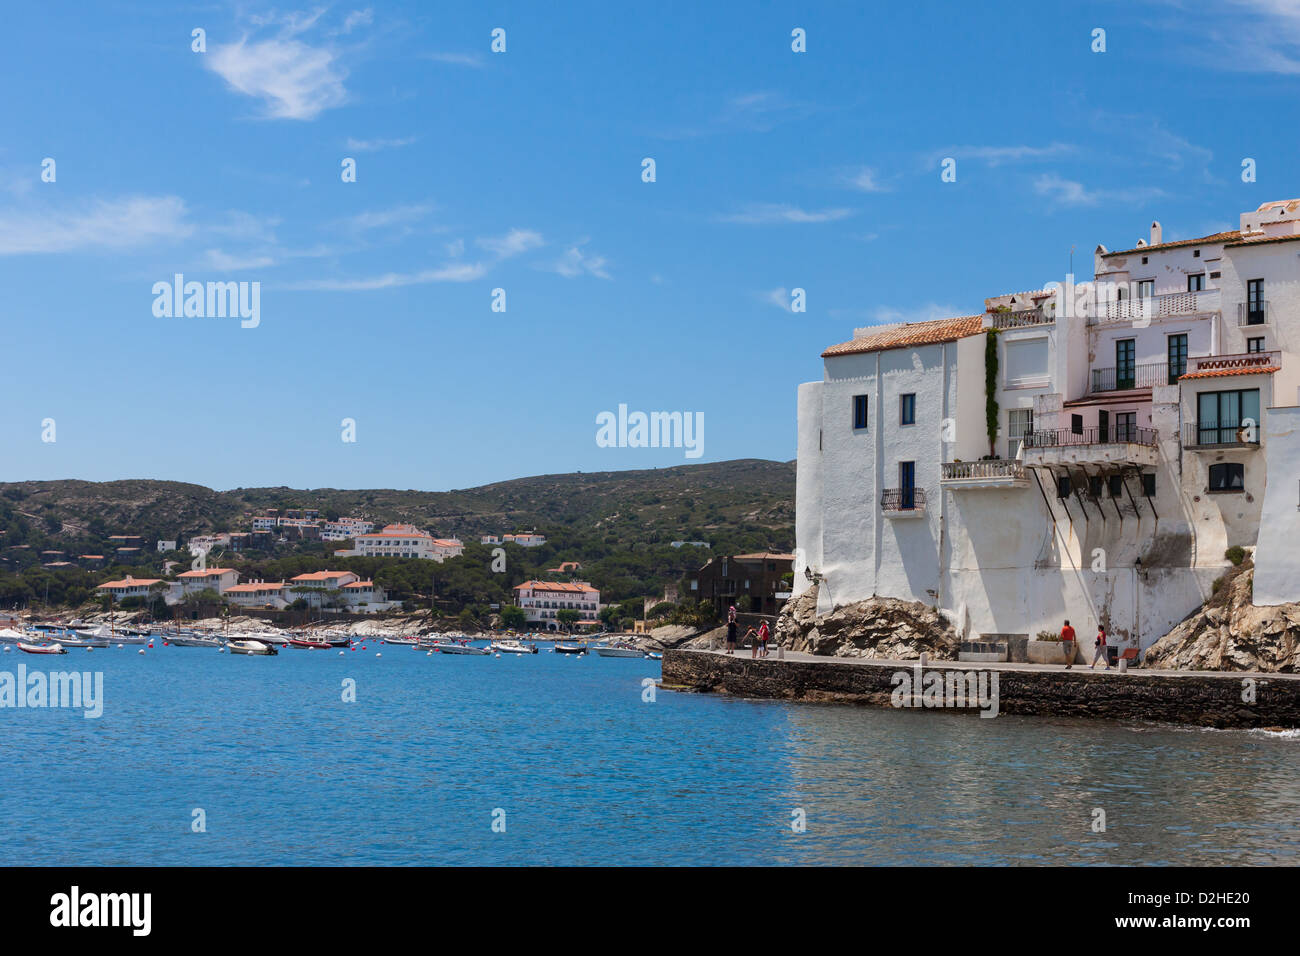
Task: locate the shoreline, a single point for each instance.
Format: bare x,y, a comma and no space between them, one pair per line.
1201,698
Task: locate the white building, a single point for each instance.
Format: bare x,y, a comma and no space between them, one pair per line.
527,540
543,600
1134,418
404,541
129,587
345,528
165,546
214,579
257,594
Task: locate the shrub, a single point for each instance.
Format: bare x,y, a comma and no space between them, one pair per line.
1236,554
1048,636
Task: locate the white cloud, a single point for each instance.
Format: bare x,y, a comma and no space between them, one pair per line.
779,297
295,80
373,145
456,59
103,224
1068,192
575,263
382,218
357,18
864,179
513,243
887,315
1000,155
225,262
757,214
451,272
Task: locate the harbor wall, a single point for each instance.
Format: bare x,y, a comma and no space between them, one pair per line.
1208,700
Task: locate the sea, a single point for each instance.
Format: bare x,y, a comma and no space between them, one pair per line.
389,756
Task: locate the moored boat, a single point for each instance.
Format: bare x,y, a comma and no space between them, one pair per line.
403,641
308,643
514,647
10,636
42,648
251,647
619,649
450,647
570,648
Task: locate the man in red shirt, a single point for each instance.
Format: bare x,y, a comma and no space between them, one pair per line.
1067,644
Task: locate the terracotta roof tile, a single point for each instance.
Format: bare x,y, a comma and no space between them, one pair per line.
1224,237
1260,240
910,335
1222,372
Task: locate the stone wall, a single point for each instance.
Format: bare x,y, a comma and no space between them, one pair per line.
1204,700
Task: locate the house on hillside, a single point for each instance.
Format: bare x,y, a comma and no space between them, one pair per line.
760,576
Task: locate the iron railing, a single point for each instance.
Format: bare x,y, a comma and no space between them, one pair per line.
1253,313
1090,435
1210,434
903,499
1131,376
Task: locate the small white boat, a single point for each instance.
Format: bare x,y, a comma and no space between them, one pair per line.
42,648
250,647
570,648
514,647
620,649
403,641
450,647
10,636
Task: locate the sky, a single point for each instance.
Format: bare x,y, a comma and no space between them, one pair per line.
377,358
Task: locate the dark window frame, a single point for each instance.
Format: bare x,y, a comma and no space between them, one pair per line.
1225,472
861,412
907,408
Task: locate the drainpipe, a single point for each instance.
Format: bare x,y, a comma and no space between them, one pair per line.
878,477
943,498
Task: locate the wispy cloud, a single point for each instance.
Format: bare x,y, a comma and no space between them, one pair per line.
1238,36
576,262
999,155
862,178
761,214
888,315
513,243
103,224
226,262
779,297
374,145
451,272
384,218
456,59
758,111
293,78
1069,192
357,18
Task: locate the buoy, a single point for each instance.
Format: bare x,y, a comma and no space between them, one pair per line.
221,650
142,650
119,647
379,654
6,648
151,645
88,650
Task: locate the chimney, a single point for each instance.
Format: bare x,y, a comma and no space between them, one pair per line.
1155,233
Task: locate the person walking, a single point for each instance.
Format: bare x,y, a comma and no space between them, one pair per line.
731,629
763,634
1100,653
1067,644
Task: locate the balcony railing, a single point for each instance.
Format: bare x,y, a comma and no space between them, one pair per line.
997,468
1213,434
1129,377
1156,306
903,499
1091,435
1020,319
1253,313
1214,363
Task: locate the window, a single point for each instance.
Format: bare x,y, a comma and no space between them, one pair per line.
1144,260
1146,287
1076,424
1255,344
1255,306
907,409
1195,283
1116,483
1222,417
1149,484
859,411
1196,254
1094,486
1125,369
1228,476
907,485
1177,357
1126,426
1063,486
1020,422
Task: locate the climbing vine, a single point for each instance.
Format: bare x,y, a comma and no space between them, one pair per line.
991,388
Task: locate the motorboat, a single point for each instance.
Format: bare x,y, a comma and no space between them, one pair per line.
42,648
10,636
514,647
451,647
309,644
570,648
251,647
403,641
619,649
190,640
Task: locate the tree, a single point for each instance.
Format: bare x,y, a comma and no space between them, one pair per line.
513,617
568,617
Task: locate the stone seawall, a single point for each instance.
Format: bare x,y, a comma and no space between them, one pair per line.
1204,699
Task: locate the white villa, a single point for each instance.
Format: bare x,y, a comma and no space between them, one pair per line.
543,600
1145,422
403,541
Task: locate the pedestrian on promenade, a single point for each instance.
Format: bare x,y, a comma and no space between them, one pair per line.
763,634
731,629
1100,653
1067,644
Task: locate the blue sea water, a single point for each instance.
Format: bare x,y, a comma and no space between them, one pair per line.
588,772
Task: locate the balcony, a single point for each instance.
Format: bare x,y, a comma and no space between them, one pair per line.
1093,445
1254,313
903,502
1216,363
1131,377
1020,319
1205,435
998,473
1145,308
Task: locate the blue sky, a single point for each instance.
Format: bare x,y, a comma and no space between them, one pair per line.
522,171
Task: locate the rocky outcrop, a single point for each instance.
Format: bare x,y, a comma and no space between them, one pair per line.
876,628
1230,634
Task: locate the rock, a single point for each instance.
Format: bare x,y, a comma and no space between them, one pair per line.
876,628
1230,633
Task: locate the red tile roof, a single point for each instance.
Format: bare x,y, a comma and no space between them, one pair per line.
554,586
1225,237
1221,372
1260,240
911,334
204,574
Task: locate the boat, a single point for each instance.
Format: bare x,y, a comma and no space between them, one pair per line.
654,655
451,647
78,639
10,636
269,638
403,641
310,644
619,649
570,648
191,640
513,647
250,647
42,648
